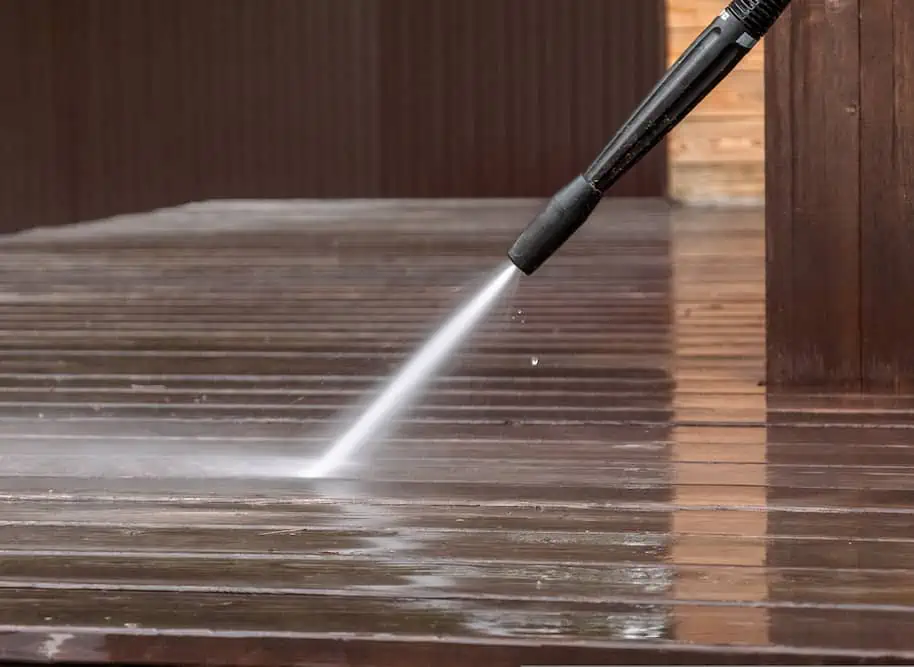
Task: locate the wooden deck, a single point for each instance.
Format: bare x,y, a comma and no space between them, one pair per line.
598,478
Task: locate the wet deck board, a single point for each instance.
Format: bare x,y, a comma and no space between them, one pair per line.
599,476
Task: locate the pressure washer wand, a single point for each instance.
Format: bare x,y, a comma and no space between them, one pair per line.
709,59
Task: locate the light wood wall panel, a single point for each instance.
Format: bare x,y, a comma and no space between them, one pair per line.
717,155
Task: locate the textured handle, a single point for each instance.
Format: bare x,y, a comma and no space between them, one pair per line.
758,15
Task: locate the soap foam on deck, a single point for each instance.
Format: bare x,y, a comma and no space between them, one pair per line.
413,376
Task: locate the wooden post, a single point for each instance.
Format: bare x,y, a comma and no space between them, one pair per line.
887,187
840,231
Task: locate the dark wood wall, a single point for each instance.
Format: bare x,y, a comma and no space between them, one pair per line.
124,105
840,218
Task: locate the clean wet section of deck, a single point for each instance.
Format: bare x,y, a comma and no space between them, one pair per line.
598,476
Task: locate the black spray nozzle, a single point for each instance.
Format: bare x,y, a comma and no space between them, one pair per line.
707,61
565,212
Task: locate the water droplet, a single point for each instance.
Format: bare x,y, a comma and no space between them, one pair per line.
534,361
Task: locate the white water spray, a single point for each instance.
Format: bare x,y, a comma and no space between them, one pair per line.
411,378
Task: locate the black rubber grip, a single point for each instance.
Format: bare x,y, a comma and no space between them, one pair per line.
564,213
758,15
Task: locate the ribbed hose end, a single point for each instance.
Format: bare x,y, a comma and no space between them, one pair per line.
758,15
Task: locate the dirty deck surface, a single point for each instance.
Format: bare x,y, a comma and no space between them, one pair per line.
599,477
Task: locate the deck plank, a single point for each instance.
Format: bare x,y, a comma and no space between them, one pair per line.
599,476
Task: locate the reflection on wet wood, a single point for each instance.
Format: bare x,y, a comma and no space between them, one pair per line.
598,477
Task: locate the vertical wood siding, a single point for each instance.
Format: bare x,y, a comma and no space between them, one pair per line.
129,105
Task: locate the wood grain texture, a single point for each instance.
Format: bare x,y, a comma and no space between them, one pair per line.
779,200
814,222
32,187
887,152
717,154
839,205
632,497
131,106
